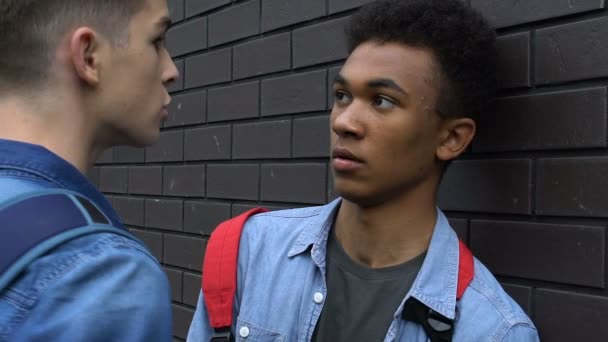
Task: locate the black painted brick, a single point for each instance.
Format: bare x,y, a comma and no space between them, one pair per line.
187,181
514,60
572,187
461,227
559,120
187,37
113,179
234,102
182,317
106,157
262,56
192,288
501,13
564,317
342,5
175,281
164,214
154,242
238,209
262,140
208,143
572,51
170,147
176,10
187,109
561,253
145,180
234,23
128,154
202,217
311,137
130,210
209,68
183,251
194,7
299,183
179,83
494,186
320,43
236,181
521,294
280,13
299,93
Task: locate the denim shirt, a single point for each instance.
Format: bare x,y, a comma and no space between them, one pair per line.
99,287
281,285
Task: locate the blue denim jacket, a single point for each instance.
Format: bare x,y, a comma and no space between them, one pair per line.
281,285
99,287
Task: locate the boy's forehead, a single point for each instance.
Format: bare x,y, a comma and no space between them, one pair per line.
389,60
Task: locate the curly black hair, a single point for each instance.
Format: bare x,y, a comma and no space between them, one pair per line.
460,38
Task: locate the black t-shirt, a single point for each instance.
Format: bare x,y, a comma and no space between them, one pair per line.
361,301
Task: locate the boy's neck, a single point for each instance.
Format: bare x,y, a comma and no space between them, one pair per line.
389,233
52,124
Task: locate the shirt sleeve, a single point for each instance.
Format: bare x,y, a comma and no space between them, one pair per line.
521,333
110,293
200,330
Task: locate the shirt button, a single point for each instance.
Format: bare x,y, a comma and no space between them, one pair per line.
318,298
244,332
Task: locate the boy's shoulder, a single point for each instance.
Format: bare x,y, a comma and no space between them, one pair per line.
486,301
281,226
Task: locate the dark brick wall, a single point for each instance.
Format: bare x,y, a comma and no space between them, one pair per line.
249,127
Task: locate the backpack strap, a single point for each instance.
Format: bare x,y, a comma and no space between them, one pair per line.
437,327
466,269
34,223
219,273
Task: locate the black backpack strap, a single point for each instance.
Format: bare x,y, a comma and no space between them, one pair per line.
437,327
33,224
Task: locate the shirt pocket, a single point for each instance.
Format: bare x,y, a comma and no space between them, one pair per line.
248,332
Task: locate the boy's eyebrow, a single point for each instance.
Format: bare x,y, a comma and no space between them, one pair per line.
386,83
374,84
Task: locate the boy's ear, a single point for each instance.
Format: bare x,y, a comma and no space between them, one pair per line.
85,55
456,135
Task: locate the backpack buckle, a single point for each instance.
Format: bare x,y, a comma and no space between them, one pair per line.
437,327
222,335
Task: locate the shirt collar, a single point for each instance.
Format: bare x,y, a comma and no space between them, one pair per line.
436,282
316,231
39,161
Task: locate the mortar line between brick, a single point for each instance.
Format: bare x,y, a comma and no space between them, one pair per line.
259,182
532,58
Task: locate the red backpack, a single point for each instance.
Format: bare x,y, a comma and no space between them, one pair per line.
219,283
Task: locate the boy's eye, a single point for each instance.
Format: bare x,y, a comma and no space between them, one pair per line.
341,97
383,102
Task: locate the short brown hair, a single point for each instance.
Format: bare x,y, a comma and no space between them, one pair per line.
30,30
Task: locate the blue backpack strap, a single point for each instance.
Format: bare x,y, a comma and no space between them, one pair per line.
33,224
